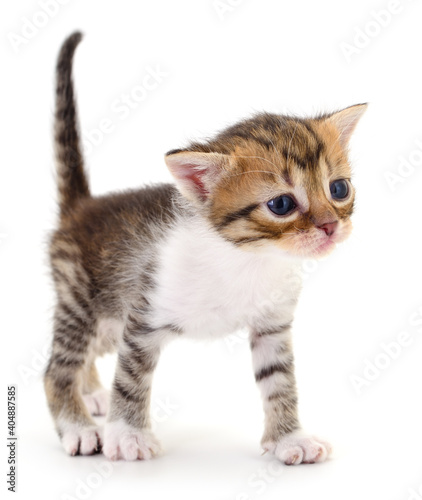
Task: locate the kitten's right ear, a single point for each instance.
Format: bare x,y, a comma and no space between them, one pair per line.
196,173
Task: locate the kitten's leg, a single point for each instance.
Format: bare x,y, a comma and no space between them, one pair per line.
95,397
63,380
273,362
127,432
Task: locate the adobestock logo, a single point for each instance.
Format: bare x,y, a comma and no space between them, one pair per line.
33,370
258,482
32,25
162,409
85,488
406,167
415,495
364,35
223,7
122,107
390,351
275,300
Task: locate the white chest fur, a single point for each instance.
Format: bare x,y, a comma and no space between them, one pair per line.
208,287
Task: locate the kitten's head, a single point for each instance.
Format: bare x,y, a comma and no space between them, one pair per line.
274,181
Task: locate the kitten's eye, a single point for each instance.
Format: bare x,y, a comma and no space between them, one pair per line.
281,205
339,189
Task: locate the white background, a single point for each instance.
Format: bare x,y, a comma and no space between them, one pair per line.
257,55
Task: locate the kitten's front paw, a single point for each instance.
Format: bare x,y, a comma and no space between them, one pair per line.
79,440
296,448
122,442
97,401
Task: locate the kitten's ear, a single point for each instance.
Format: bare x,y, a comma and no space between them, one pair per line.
196,173
346,120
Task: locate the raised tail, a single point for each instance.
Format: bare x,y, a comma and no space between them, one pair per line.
71,177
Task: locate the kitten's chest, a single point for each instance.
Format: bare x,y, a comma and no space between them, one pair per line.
207,287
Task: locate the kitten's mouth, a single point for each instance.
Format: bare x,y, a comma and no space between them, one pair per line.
318,247
325,247
315,243
328,244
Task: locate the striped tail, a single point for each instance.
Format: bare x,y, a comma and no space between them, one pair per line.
71,178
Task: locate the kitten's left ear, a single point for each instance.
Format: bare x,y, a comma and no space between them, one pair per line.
196,173
346,120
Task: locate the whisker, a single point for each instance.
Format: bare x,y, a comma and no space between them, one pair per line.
275,149
252,171
290,142
262,171
258,158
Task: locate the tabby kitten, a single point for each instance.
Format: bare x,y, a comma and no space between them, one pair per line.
134,270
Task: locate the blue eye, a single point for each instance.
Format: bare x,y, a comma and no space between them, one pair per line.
339,189
281,205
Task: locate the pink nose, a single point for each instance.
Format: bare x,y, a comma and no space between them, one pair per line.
329,227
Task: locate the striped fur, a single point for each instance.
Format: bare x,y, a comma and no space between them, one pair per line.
72,181
274,373
134,270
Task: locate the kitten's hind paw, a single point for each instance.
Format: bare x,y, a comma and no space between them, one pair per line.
122,442
296,448
97,402
78,440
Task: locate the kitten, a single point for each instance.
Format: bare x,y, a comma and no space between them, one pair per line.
220,252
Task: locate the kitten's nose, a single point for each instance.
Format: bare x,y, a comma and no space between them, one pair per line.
329,227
